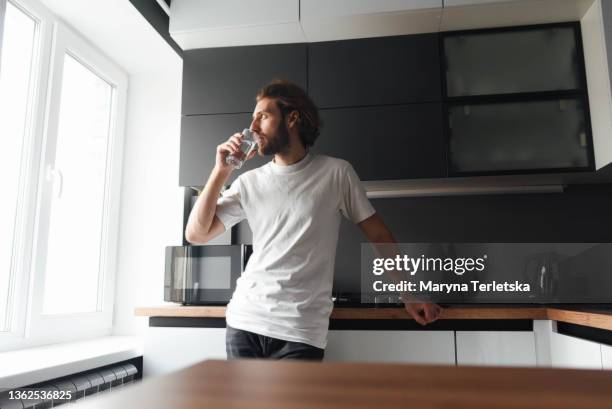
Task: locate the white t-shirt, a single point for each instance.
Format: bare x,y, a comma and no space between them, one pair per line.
294,212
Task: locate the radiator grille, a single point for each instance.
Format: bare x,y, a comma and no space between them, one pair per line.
100,380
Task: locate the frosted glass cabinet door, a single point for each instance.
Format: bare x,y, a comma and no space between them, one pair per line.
514,61
519,136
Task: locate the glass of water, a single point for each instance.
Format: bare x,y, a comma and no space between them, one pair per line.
248,145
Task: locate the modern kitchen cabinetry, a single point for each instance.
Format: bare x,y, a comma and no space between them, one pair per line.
422,347
500,101
391,142
200,135
374,71
499,348
225,80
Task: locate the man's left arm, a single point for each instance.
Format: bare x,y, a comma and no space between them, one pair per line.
377,232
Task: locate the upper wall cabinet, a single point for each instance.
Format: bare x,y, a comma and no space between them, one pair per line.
538,136
517,101
512,61
391,70
324,20
386,142
225,80
214,23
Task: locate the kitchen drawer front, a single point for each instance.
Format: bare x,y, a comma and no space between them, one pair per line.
497,348
200,135
570,352
383,143
418,347
375,71
226,80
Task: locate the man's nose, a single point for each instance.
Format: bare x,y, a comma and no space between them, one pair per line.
254,125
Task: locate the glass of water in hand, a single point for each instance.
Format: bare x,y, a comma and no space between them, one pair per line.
247,145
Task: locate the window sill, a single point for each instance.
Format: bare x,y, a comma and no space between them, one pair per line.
32,365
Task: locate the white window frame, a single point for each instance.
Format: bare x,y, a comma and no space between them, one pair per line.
24,228
28,326
2,11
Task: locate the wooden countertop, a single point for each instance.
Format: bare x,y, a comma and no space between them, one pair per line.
300,385
590,318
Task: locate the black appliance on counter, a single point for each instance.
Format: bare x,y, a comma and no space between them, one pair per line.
203,275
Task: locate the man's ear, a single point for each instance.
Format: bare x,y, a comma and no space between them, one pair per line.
293,119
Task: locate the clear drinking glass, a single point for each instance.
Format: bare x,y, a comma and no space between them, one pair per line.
248,144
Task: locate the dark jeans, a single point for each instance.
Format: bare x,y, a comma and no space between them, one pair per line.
245,344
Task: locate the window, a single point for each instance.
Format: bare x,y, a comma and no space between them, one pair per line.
16,83
81,153
62,104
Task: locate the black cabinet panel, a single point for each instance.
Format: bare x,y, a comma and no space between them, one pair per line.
373,71
390,142
519,136
200,136
225,80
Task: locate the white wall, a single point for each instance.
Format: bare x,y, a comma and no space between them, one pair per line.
151,200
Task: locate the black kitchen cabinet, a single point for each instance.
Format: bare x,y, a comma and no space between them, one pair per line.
515,60
386,142
200,135
225,80
375,71
513,137
516,101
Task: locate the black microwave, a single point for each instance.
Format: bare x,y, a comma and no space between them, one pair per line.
203,275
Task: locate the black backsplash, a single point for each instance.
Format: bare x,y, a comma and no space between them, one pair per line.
583,213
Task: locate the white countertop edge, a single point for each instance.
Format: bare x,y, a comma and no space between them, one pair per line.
32,365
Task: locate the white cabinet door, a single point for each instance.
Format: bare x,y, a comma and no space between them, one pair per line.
214,23
570,352
455,3
471,14
422,347
324,20
499,348
170,349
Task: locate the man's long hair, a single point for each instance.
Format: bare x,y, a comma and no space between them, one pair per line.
290,97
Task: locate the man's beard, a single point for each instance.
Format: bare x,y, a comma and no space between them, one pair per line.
279,142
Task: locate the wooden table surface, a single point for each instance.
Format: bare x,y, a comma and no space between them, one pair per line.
262,384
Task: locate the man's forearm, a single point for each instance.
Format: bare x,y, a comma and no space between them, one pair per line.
203,212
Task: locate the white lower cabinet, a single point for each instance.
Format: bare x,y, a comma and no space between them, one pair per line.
167,349
571,352
498,348
420,347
